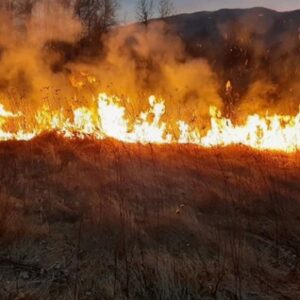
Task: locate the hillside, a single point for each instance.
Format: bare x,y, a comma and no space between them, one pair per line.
246,46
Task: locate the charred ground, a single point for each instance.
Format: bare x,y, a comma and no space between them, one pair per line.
106,220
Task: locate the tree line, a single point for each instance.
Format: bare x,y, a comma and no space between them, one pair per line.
98,16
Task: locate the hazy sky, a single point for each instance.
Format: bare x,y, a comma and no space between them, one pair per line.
128,6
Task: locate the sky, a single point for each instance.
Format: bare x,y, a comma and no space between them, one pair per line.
185,6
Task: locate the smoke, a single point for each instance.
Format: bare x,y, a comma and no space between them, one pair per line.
26,77
140,61
266,69
44,61
135,62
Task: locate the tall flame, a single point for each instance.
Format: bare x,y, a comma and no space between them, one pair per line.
109,119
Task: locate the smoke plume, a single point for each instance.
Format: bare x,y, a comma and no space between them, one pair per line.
41,62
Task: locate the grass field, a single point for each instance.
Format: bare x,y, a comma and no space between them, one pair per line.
106,220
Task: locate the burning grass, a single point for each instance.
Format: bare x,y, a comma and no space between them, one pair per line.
102,219
109,119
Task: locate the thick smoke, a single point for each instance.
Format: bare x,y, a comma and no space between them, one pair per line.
140,61
134,62
265,45
45,60
26,77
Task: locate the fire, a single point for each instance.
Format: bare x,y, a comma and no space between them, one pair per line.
115,125
109,120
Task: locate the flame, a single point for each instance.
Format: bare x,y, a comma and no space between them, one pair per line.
110,120
228,87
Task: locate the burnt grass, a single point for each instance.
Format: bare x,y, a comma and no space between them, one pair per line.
105,220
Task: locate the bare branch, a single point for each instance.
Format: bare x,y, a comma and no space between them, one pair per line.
97,15
144,10
165,8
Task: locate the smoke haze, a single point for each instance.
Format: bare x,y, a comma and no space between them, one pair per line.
185,60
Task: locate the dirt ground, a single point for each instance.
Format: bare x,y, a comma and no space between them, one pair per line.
104,220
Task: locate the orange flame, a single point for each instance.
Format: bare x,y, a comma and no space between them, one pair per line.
277,132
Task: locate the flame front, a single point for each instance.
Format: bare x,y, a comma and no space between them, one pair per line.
109,119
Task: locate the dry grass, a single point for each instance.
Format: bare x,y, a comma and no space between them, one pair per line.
103,220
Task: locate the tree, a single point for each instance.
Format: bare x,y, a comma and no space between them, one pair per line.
23,7
97,15
110,8
144,10
18,12
165,8
18,7
5,5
